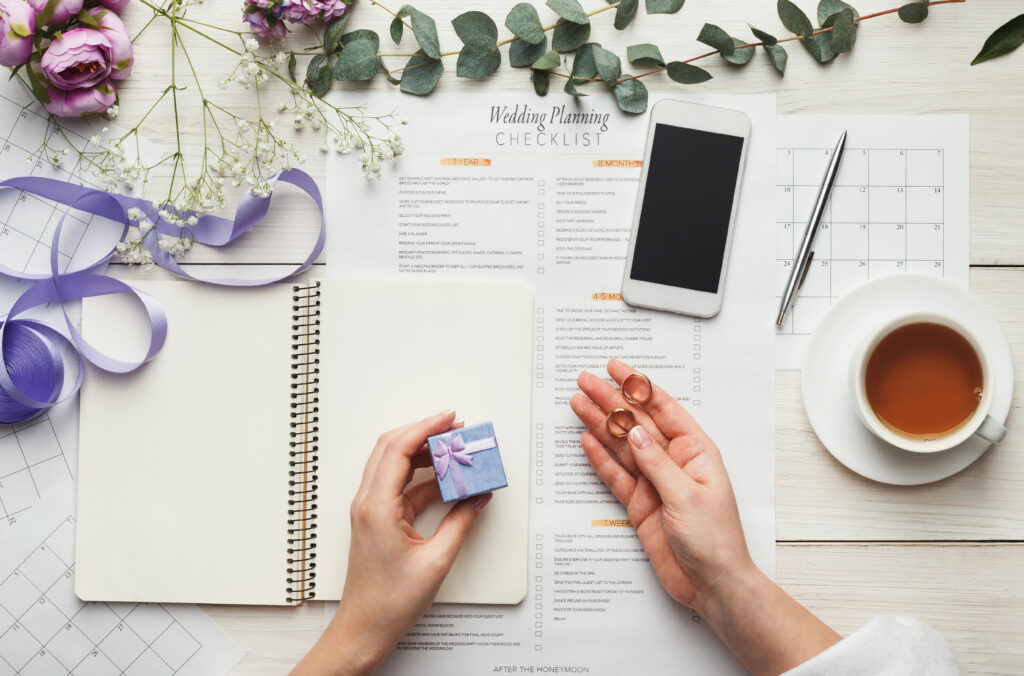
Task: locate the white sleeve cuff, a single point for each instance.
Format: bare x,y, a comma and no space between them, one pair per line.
886,646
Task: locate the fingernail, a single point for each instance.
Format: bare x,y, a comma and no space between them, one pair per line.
482,501
447,411
459,421
639,436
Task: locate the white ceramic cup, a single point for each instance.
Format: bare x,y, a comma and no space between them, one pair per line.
981,423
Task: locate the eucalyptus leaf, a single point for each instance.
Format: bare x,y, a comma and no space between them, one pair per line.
625,13
424,28
766,38
570,88
472,24
583,63
739,57
1005,39
318,75
522,54
779,57
421,74
631,96
664,6
525,24
820,47
686,73
716,38
387,73
828,9
609,66
915,12
844,32
569,37
570,10
479,58
292,64
358,61
333,33
397,29
549,60
541,82
645,55
794,19
361,34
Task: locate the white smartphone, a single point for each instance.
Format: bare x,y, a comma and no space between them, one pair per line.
686,208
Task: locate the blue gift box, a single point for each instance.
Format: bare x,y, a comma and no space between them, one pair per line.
467,462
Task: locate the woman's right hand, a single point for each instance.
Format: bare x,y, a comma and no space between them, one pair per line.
670,477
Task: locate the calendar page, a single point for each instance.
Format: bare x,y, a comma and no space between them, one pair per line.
900,204
45,629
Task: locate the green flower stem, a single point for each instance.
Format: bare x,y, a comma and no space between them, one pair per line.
503,42
759,44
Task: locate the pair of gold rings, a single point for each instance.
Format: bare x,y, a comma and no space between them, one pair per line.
638,392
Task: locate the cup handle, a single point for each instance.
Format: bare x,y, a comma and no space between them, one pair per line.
991,430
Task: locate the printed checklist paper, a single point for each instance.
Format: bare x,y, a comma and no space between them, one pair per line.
900,204
542,191
45,629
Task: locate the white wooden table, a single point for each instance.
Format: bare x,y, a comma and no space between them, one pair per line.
950,553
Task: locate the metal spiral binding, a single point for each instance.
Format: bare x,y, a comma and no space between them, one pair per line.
303,448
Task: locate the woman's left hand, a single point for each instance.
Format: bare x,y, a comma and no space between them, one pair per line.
393,572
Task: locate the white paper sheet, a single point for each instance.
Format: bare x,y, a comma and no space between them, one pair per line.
46,629
550,203
900,204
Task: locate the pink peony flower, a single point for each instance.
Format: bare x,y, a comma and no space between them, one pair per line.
17,24
121,54
64,10
116,5
81,58
298,11
264,25
79,102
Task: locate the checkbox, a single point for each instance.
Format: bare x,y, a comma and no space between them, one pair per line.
540,224
540,310
538,648
538,634
540,214
540,191
540,501
539,536
538,606
537,588
540,320
540,463
540,242
540,435
540,329
539,578
538,615
540,356
540,271
538,625
540,482
540,182
540,256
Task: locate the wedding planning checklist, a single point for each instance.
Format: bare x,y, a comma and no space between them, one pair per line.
503,187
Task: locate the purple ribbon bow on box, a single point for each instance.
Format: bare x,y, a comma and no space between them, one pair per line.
455,451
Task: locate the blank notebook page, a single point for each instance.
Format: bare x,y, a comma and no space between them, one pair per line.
183,465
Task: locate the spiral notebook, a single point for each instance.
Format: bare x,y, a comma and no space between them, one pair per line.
223,471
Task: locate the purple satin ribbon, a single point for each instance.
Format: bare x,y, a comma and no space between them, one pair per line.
31,367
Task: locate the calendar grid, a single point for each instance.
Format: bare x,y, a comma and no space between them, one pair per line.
31,460
45,628
886,214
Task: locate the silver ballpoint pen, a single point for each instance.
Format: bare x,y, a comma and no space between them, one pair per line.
802,262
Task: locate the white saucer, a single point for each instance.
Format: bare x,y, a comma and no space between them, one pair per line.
827,392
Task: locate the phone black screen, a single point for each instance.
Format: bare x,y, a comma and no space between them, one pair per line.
684,220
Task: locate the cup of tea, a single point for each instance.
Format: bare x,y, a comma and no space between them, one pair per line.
923,383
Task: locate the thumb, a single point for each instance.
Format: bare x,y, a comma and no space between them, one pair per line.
455,526
671,482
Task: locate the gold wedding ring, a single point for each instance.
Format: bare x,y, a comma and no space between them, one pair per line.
644,385
619,422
